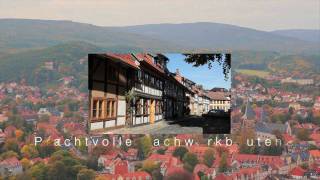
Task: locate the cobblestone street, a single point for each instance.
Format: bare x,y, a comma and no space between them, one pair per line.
188,125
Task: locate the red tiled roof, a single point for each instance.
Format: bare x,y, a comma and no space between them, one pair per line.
315,137
11,162
149,60
260,159
287,138
174,170
137,175
125,58
297,171
314,153
217,95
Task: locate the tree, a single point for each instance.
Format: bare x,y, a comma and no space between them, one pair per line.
46,148
86,174
303,135
144,146
156,174
58,171
273,150
19,134
190,160
242,138
29,151
12,145
208,157
179,175
149,166
25,163
161,151
38,171
223,164
179,152
202,59
8,154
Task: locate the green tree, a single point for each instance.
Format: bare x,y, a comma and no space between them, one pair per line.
303,135
29,151
190,160
202,59
208,157
149,166
179,152
39,171
180,175
58,171
144,146
8,154
12,145
156,174
161,151
86,174
223,164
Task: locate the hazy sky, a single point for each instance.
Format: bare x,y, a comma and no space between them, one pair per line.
258,14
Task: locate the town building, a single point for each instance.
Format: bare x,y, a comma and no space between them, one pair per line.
297,81
132,89
219,100
10,167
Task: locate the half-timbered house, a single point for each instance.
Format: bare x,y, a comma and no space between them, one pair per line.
112,77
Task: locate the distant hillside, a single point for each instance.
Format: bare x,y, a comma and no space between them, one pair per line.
222,36
311,35
28,65
20,34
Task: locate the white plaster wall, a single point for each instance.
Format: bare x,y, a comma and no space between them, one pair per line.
96,125
110,123
121,121
121,108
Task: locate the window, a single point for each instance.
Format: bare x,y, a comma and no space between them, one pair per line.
139,75
100,108
97,108
152,81
94,108
146,79
145,107
138,107
157,107
111,108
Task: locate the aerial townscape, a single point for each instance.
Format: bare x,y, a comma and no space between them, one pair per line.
128,90
140,121
282,117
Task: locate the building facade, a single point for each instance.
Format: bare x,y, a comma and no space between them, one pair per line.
219,100
132,89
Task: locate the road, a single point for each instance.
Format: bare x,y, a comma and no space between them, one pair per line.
187,125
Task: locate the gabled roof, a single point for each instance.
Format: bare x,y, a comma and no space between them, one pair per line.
10,162
217,95
148,59
123,58
297,171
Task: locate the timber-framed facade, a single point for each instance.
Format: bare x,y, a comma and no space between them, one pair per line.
156,93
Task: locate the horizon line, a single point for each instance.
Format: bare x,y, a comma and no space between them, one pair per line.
168,23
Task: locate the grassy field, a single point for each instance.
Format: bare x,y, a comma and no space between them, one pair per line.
250,72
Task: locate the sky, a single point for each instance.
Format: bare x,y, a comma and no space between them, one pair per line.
258,14
202,75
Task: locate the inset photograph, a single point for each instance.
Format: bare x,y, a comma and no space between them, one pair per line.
146,93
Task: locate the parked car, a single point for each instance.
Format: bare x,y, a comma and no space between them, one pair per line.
213,113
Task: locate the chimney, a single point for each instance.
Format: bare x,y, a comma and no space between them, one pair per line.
177,72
